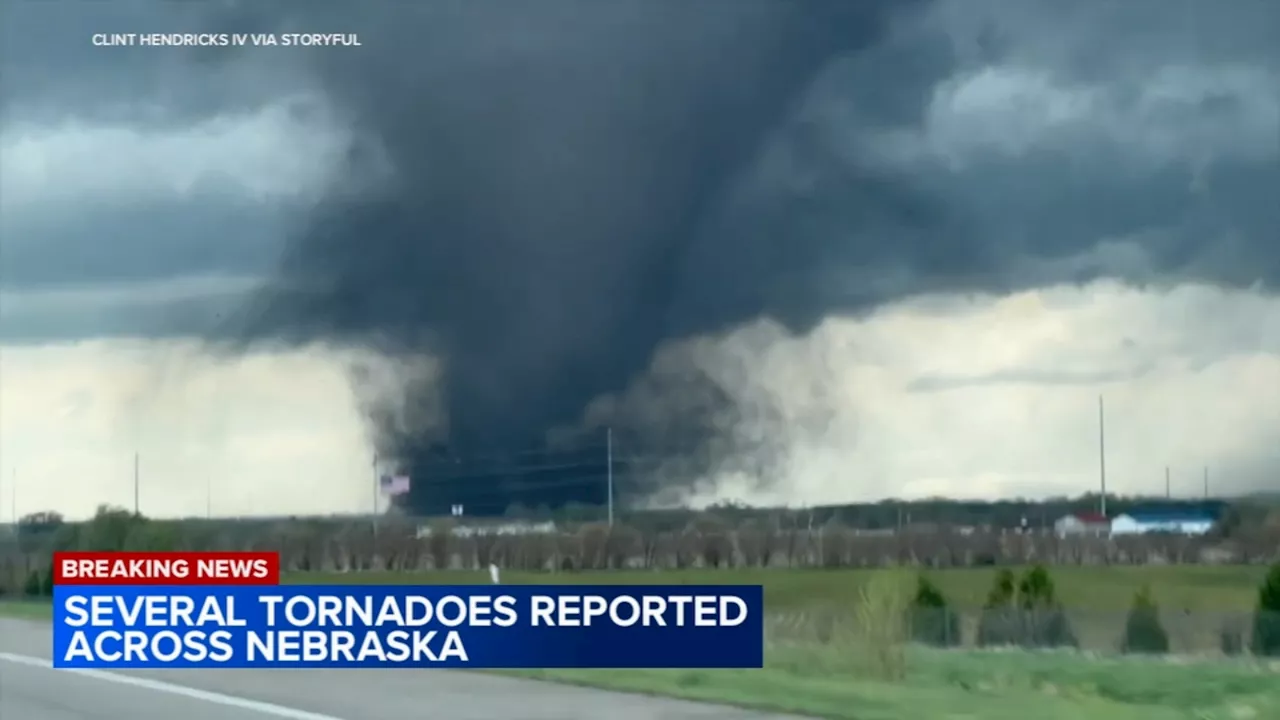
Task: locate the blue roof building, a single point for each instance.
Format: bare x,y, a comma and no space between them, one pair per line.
1181,523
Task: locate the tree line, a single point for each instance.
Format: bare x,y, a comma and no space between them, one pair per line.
1244,515
707,540
1238,514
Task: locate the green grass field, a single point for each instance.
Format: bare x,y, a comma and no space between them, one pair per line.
1198,588
835,676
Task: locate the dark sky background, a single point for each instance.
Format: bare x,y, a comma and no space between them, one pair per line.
544,193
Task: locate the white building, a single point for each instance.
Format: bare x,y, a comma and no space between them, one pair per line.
1177,523
1082,525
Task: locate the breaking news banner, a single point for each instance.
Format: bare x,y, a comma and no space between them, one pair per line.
228,610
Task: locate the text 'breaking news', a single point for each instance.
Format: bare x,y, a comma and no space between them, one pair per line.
198,610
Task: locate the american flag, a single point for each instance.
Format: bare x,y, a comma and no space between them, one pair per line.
394,484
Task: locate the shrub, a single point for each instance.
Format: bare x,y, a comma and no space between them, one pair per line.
1036,588
1143,632
1026,614
933,621
1266,621
1003,589
46,582
882,626
32,587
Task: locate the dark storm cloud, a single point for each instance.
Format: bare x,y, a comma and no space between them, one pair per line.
177,308
51,70
575,183
128,244
123,170
556,167
153,270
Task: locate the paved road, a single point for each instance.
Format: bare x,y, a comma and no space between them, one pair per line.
31,690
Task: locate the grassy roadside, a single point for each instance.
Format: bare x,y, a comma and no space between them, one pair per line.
974,685
835,679
26,609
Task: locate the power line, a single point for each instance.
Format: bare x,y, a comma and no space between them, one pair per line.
444,456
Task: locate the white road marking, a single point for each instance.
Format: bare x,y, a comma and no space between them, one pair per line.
262,708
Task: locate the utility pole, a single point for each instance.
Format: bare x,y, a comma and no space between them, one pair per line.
1167,492
375,495
135,483
1206,482
1102,455
608,441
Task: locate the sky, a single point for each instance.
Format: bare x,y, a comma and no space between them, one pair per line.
1121,161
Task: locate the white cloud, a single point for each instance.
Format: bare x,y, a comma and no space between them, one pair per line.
272,433
282,151
1191,377
972,397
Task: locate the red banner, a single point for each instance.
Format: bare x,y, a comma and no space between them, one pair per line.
166,568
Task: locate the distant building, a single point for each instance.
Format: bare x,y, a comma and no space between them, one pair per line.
1183,523
1083,524
507,528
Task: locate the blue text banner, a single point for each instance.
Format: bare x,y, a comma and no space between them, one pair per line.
335,626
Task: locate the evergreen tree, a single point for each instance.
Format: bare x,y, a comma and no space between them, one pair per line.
1044,620
933,621
1036,588
1143,632
1027,613
1002,590
1266,621
998,622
